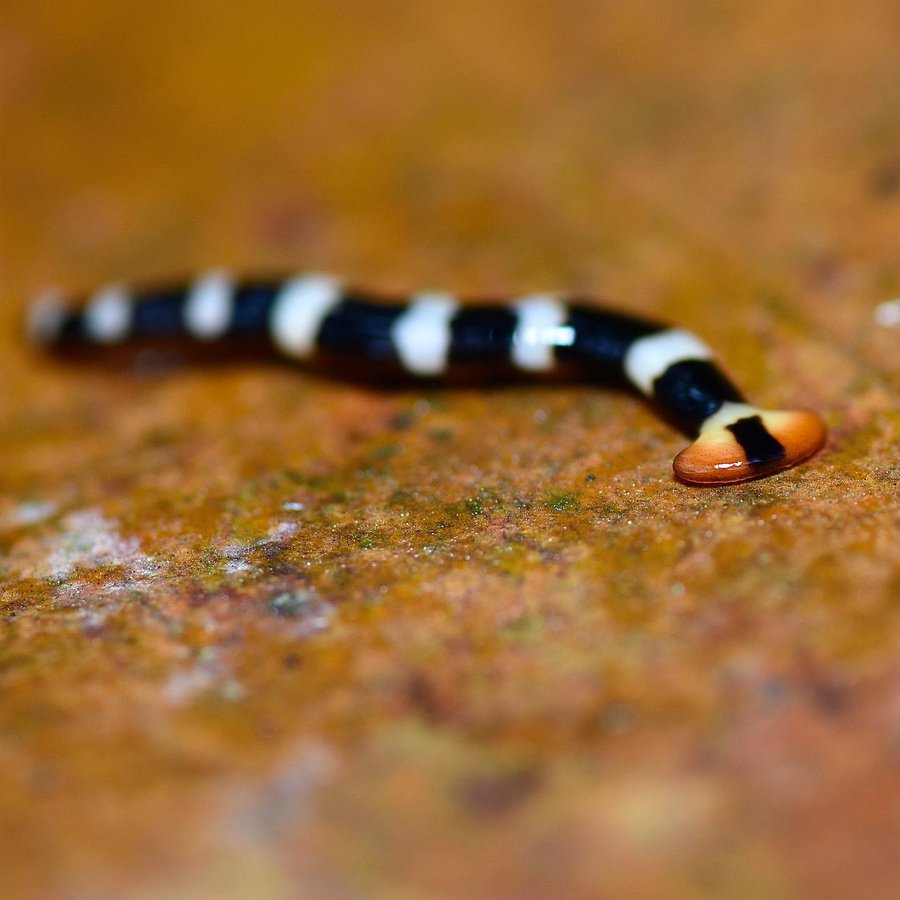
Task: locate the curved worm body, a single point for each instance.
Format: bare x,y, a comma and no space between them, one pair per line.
431,334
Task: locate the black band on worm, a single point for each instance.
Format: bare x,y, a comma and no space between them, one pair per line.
760,447
693,390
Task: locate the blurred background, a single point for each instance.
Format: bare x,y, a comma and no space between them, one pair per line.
407,140
267,636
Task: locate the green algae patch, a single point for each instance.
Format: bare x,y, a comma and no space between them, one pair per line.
562,501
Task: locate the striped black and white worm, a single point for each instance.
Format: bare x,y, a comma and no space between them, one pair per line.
431,334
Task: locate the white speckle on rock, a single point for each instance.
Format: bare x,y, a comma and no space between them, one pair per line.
28,513
93,618
236,554
301,614
284,800
183,686
208,674
887,314
279,532
84,539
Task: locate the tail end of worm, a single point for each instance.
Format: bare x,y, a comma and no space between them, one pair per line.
741,442
45,318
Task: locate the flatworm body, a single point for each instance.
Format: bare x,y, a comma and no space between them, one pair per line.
429,335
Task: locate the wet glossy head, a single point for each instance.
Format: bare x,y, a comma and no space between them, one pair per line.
742,442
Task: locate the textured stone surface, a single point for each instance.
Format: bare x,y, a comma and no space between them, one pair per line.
269,635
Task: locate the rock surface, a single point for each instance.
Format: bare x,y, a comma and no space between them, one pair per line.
268,635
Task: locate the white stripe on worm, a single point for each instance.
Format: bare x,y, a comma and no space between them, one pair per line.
648,357
540,328
108,315
209,306
421,334
299,309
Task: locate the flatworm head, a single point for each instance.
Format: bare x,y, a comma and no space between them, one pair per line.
741,442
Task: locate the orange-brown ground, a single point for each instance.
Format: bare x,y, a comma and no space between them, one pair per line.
267,635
